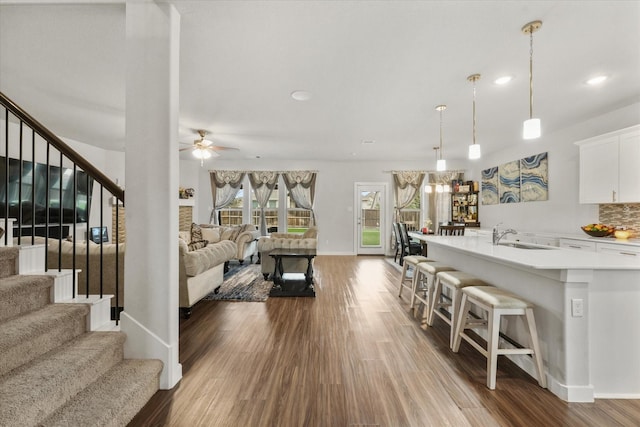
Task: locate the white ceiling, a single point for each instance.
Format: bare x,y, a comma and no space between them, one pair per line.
376,71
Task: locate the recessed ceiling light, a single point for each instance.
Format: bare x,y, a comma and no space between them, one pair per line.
301,95
596,80
503,80
368,142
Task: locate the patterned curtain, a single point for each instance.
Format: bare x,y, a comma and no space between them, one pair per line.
224,188
443,200
406,185
263,183
302,188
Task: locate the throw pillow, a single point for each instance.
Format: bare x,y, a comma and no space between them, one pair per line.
196,233
233,232
211,234
197,245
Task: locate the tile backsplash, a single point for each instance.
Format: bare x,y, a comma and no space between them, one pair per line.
621,215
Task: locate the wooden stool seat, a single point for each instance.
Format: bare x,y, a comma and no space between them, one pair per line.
410,261
423,283
497,303
453,281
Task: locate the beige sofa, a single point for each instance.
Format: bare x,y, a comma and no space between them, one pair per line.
308,240
245,237
64,248
201,271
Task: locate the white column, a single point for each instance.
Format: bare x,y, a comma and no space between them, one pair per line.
150,319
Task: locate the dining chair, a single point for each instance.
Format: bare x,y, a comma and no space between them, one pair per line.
451,230
409,247
399,245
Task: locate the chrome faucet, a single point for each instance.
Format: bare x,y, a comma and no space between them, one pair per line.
497,235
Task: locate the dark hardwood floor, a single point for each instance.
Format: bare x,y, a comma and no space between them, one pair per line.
352,356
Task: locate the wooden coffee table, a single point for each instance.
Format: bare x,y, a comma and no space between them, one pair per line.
292,284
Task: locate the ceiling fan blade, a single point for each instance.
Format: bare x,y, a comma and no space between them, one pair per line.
220,148
185,149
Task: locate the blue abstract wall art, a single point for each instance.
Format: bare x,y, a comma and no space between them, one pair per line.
509,182
524,180
534,178
490,186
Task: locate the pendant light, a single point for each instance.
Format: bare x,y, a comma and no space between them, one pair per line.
474,149
531,127
441,164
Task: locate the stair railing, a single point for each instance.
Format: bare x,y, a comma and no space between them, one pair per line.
47,189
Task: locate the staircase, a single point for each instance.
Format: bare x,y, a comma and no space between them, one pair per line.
56,369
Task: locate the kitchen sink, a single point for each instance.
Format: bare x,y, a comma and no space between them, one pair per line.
525,246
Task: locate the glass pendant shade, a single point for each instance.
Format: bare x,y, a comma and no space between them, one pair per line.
446,188
441,165
201,154
531,129
474,151
428,189
439,188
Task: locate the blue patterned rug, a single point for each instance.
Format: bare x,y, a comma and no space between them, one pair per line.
243,283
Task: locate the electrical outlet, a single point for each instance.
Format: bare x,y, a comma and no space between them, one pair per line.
577,307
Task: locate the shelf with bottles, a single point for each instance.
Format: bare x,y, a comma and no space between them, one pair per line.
464,208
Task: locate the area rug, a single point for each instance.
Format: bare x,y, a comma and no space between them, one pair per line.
246,284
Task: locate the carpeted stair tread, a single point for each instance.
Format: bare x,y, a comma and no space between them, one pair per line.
23,338
31,392
8,261
114,399
22,294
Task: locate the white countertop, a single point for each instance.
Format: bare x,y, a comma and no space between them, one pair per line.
550,258
631,242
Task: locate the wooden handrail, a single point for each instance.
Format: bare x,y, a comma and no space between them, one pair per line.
61,146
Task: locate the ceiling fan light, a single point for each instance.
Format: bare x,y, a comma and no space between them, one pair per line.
200,153
206,142
474,151
531,129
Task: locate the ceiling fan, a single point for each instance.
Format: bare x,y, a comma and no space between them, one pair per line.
204,149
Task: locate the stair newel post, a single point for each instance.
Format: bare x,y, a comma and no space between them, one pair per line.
60,213
20,171
6,173
33,186
75,221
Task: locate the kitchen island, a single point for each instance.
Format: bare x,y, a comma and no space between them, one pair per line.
587,310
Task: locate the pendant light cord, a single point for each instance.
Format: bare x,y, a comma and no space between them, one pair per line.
474,112
441,134
531,72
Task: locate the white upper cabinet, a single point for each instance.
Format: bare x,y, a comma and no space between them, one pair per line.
610,167
630,167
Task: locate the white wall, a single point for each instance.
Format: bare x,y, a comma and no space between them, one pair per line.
561,213
335,184
334,204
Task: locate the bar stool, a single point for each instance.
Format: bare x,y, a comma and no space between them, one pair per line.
410,261
423,283
453,281
497,303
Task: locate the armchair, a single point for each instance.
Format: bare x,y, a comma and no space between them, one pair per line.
308,240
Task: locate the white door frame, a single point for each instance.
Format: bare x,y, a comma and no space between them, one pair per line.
383,187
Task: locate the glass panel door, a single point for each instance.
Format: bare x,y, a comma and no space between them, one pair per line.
370,201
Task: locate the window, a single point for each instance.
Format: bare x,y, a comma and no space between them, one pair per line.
270,211
411,214
232,214
298,219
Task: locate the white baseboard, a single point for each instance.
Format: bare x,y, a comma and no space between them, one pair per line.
141,343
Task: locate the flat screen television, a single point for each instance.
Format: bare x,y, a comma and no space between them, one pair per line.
34,193
99,234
